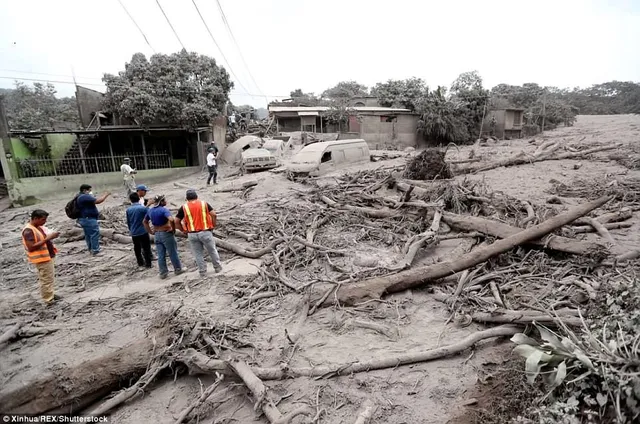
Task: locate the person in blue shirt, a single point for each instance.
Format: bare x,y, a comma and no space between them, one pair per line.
141,240
89,214
164,230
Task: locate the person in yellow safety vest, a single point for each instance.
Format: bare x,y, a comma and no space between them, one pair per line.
41,252
197,218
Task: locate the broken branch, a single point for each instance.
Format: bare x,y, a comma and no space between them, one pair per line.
374,288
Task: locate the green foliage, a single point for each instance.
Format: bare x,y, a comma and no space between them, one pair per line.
345,90
614,97
184,88
600,378
401,93
37,107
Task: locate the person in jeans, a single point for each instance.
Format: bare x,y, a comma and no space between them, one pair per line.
135,221
212,165
197,218
87,202
41,252
164,230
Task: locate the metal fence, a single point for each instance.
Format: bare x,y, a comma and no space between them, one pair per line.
39,166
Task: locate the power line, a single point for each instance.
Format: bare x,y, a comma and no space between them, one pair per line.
226,23
216,43
171,90
169,22
49,75
137,26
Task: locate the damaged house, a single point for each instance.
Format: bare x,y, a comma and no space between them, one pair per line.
379,126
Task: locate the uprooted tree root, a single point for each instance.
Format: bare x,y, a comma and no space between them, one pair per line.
428,165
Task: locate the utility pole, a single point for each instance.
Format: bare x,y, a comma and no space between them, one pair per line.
484,111
544,108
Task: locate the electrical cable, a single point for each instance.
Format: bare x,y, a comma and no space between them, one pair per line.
169,22
137,26
221,52
226,23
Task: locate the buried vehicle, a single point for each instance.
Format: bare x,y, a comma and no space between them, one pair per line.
257,160
326,156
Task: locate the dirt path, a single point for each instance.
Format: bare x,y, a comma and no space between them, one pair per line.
109,302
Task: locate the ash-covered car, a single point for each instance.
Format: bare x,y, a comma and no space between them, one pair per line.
257,160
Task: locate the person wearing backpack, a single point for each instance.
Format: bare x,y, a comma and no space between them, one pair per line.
88,217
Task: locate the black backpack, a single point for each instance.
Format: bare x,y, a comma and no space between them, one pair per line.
72,209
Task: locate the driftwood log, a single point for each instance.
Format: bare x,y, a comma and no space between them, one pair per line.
74,388
199,363
374,288
544,155
501,230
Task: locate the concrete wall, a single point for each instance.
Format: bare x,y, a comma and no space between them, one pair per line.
28,191
378,134
60,144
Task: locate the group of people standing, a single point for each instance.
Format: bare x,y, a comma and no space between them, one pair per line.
196,218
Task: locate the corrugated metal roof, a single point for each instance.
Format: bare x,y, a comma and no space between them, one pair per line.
326,108
308,113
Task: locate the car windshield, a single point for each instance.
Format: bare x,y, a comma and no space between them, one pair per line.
305,158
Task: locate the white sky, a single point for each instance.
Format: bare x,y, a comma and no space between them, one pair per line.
312,45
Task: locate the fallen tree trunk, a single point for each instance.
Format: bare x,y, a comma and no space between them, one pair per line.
374,288
621,215
199,363
501,230
515,317
609,226
243,187
74,388
522,159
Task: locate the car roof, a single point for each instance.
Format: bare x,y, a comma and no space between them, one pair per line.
256,152
322,145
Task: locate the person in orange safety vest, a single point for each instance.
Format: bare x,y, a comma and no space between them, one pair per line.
41,252
197,218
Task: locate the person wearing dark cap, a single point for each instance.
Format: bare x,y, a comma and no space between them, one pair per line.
161,224
38,243
89,214
135,221
197,218
142,192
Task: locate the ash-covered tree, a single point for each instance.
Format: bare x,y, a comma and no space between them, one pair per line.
339,114
186,89
471,99
304,99
345,90
400,93
37,107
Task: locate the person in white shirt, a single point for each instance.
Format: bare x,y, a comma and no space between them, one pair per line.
142,194
128,175
212,165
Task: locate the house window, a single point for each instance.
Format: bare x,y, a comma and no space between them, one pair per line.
386,118
517,118
326,157
359,104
